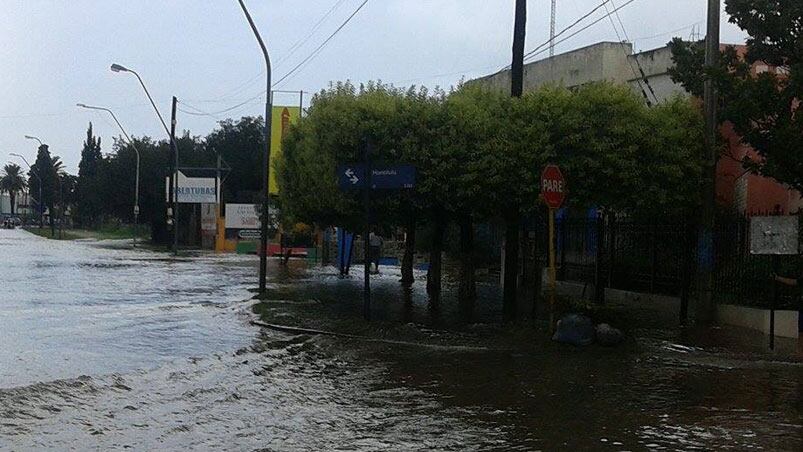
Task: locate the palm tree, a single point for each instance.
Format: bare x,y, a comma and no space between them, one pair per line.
58,165
12,182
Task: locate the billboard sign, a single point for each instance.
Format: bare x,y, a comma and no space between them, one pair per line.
242,216
193,190
282,118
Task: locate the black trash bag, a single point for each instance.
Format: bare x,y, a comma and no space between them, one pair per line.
575,329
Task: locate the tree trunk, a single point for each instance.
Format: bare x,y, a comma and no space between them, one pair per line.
467,292
12,196
409,255
51,216
510,290
434,274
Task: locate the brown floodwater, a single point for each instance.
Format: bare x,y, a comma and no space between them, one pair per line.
135,350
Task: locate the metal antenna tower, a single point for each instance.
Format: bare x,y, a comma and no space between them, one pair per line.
552,30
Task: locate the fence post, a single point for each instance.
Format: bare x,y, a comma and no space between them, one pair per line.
653,256
537,269
612,224
685,275
563,246
599,285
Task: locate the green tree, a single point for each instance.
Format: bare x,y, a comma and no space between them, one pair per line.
240,144
89,192
43,167
12,182
763,107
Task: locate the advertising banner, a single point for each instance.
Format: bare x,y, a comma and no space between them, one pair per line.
282,118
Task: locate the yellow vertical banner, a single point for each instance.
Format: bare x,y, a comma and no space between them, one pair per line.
281,119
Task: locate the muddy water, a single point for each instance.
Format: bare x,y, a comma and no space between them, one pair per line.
106,349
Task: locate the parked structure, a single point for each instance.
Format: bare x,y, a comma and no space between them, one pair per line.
647,73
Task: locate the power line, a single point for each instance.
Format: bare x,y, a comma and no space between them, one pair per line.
627,58
646,38
323,44
300,43
285,77
638,63
542,50
551,40
226,97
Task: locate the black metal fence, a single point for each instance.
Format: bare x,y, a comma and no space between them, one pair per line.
660,256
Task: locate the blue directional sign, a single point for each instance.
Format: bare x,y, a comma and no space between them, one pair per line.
393,177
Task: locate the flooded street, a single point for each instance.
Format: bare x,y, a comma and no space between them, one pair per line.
107,348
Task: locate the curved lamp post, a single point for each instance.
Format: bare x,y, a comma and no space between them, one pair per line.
263,256
120,68
35,173
131,142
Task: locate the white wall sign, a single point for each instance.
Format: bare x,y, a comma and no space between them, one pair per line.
774,235
242,216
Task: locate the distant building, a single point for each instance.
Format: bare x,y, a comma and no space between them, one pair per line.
615,62
21,202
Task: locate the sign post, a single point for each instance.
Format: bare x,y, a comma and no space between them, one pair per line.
366,293
775,236
367,177
553,190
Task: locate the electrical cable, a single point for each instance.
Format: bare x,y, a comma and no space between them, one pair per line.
320,47
574,24
242,86
300,43
638,63
627,58
542,50
285,77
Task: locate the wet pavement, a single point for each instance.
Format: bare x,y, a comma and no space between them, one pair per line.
105,348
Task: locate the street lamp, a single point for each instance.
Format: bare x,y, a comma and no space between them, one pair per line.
263,256
131,142
120,68
30,137
35,173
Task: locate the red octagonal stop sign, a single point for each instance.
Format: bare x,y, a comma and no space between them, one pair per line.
553,186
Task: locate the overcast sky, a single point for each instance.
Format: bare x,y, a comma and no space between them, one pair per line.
56,53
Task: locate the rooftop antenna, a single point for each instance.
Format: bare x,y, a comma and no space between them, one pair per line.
552,30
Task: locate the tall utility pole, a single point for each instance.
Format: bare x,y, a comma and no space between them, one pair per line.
519,33
512,220
174,178
705,248
263,255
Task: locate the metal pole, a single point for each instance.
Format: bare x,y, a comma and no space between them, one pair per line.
704,309
552,270
174,149
35,173
513,215
263,255
136,150
776,261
